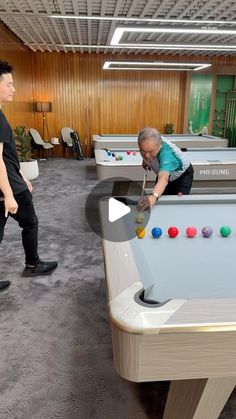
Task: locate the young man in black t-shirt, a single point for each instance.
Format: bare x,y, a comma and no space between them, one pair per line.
15,189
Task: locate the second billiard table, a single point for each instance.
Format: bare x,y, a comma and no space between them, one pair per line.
214,169
185,141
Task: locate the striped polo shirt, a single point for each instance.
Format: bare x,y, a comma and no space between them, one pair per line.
169,159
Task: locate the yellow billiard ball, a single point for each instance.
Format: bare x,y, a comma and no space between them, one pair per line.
140,232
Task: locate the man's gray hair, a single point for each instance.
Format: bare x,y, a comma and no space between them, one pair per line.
148,133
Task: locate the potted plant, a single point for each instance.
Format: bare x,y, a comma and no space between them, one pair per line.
28,165
169,128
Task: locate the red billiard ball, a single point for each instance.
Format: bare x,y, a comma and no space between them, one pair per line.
173,232
128,152
191,232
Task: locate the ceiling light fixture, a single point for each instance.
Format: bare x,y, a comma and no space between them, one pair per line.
188,47
154,65
133,19
119,32
175,47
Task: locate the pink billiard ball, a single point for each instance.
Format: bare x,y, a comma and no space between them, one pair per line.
173,232
191,232
134,153
128,152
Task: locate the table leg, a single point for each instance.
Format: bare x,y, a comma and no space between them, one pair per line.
198,399
120,188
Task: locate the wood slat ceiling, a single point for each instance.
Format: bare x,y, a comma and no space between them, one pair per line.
32,22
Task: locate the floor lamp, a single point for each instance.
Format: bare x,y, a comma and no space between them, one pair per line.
44,108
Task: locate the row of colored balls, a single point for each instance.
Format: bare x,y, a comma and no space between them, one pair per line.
173,232
118,156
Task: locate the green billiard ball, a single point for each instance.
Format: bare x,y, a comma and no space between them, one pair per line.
225,231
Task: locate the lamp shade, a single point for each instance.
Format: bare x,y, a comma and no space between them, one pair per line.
43,106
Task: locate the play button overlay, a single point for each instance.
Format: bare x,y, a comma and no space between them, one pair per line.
112,217
116,210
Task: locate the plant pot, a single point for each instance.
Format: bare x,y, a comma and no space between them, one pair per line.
30,169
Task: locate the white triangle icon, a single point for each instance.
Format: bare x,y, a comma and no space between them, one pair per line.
116,210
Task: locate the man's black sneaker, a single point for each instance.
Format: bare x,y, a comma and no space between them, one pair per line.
4,285
41,268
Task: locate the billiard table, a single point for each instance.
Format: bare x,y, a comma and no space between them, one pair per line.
214,169
186,141
185,329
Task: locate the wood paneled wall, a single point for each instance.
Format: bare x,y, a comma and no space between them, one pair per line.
92,100
12,50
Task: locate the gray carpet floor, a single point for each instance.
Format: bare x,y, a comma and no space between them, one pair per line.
56,354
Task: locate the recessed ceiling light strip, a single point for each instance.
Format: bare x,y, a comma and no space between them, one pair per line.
153,66
151,20
187,47
119,32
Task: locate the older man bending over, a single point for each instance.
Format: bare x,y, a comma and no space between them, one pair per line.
174,171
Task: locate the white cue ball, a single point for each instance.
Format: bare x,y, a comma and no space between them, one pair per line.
139,218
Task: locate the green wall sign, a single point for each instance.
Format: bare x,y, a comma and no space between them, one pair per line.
199,103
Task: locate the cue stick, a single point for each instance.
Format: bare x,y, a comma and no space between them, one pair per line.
228,122
232,123
144,182
226,125
233,117
234,120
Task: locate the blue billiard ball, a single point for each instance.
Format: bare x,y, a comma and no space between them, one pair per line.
156,232
109,153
